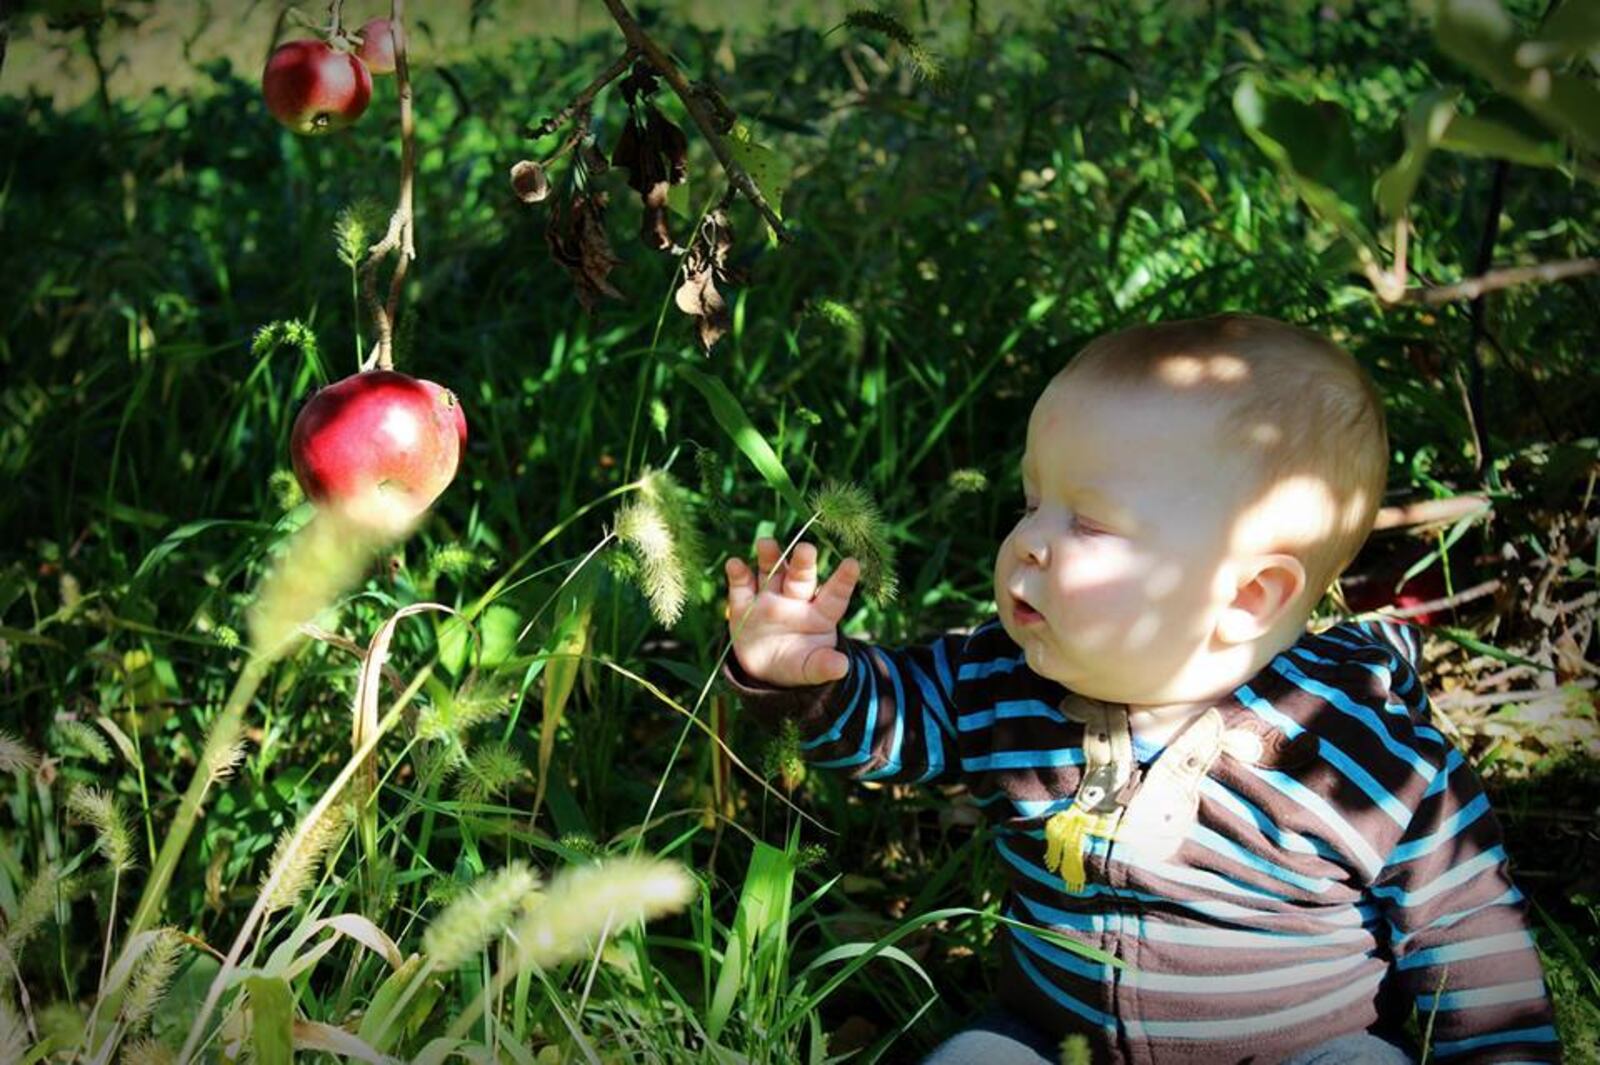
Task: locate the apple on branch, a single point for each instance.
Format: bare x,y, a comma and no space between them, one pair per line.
379,447
377,46
313,88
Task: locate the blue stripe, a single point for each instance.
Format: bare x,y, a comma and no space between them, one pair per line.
1040,807
1060,997
933,745
1400,938
1023,759
1286,838
1199,878
1544,1033
1475,997
1007,710
1220,844
1452,761
1204,985
1449,830
1209,907
1292,789
1231,1028
1468,949
941,668
891,765
1206,935
1453,877
978,670
932,697
1343,703
834,731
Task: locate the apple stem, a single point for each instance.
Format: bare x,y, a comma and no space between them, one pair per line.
335,9
399,237
634,34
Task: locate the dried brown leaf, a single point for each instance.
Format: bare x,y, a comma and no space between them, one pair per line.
529,182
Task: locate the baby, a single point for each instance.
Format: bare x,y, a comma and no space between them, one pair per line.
1260,825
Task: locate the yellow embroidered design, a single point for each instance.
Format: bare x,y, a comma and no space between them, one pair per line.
1066,837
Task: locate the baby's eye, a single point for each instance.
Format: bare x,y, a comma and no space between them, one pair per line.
1089,528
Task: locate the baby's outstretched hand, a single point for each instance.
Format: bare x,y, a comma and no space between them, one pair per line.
784,629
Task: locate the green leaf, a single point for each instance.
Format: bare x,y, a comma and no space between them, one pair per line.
1313,145
570,640
1572,29
272,1019
1480,35
1426,122
731,416
769,170
763,908
1501,130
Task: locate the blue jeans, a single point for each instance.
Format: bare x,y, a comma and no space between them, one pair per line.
1000,1038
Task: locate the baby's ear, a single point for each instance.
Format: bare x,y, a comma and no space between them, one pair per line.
1268,587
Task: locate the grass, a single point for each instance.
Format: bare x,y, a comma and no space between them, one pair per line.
533,667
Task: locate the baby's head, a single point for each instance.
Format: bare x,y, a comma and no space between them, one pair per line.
1192,489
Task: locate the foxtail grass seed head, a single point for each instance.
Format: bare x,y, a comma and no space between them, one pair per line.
324,558
456,714
849,515
300,865
482,912
103,812
37,905
83,737
853,335
658,526
285,489
221,759
16,756
147,1052
489,770
584,901
925,64
783,759
152,978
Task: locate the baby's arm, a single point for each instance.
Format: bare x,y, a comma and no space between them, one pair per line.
877,714
1459,929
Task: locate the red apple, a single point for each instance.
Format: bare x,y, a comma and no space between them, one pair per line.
311,88
377,46
379,446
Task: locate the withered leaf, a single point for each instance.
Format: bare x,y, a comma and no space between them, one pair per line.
577,239
653,228
528,181
705,264
656,156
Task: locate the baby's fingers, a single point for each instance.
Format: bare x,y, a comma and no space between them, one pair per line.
834,598
800,575
741,588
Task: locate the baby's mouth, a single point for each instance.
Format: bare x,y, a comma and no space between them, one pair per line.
1023,612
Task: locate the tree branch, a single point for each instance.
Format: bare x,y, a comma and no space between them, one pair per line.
398,238
1494,280
741,180
582,101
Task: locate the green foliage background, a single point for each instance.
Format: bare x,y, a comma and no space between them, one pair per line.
1069,170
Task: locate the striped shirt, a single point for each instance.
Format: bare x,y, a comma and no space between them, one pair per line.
1350,873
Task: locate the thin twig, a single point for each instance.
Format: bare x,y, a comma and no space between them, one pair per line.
582,101
1477,591
1430,511
637,38
1494,280
399,238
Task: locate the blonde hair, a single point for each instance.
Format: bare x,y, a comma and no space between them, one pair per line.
1294,401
